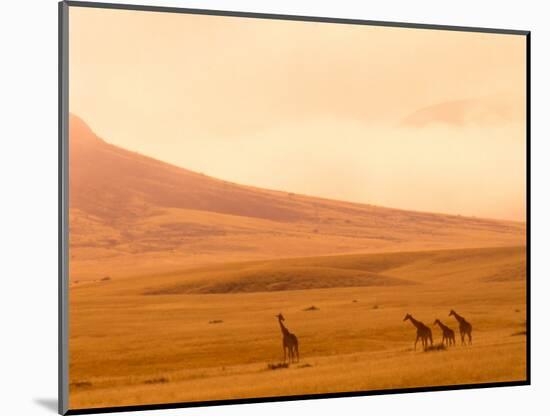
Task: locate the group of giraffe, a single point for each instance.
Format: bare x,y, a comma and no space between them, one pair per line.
424,333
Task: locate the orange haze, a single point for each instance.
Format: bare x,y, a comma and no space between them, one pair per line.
414,119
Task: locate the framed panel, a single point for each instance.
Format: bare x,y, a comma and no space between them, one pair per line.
260,207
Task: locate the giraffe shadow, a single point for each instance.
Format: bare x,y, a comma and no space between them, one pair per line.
277,366
438,347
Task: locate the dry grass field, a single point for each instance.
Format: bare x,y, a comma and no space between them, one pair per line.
152,339
176,278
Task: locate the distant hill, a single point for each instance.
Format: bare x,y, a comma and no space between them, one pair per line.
112,183
138,211
356,270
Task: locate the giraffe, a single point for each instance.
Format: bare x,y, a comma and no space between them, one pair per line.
422,332
464,326
290,341
448,333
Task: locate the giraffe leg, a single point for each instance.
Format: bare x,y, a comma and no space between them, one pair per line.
470,337
297,355
416,342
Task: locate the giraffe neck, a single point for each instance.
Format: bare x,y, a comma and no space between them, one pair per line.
458,317
415,322
283,328
441,325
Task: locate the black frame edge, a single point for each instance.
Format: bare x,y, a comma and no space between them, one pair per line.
528,200
63,381
63,287
274,16
166,406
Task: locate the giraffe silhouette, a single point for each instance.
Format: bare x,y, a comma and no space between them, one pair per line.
422,332
290,341
464,326
448,333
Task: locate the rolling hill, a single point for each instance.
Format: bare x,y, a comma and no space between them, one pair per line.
130,213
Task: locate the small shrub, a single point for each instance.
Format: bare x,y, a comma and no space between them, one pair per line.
311,308
106,279
81,384
159,380
515,334
305,365
215,321
277,366
375,306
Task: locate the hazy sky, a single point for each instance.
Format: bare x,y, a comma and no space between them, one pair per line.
407,118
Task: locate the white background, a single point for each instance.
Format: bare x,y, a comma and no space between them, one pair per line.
28,204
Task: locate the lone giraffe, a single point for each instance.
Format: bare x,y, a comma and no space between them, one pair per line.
448,333
290,341
422,332
464,326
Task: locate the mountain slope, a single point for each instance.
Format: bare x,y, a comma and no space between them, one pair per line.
141,213
111,182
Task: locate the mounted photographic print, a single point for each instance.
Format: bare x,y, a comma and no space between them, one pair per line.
261,207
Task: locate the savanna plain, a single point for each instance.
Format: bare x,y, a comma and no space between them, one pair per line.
176,280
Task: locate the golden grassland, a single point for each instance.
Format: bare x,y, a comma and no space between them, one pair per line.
174,239
150,339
